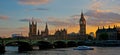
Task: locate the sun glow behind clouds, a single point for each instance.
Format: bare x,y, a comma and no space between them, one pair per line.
66,14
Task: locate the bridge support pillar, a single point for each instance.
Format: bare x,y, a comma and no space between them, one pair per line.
2,47
24,47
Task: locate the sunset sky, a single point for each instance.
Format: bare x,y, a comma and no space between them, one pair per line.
59,14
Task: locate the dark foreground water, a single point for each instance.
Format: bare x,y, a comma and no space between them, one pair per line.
66,51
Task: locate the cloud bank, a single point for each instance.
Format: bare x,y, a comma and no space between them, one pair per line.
3,17
102,17
59,22
37,9
27,20
33,2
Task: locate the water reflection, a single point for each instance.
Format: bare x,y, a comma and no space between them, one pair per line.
11,48
66,51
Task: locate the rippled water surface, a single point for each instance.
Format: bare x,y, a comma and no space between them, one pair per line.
66,51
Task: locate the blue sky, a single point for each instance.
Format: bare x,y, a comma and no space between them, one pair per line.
15,14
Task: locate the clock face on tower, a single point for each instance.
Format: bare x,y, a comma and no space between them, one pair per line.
81,22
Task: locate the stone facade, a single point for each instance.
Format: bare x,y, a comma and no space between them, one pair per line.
111,33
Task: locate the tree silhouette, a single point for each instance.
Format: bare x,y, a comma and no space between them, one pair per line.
90,37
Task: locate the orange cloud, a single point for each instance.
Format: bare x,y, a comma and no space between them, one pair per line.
33,2
3,17
98,10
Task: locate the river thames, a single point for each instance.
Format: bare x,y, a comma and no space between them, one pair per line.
66,51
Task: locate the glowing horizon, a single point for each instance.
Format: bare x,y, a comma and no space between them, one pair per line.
59,14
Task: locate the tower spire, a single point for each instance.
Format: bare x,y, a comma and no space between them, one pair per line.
38,32
109,27
115,26
82,16
32,21
98,27
103,27
46,27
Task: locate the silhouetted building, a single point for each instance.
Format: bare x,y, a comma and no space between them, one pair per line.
82,23
45,32
18,36
82,31
92,34
32,28
34,34
108,33
61,33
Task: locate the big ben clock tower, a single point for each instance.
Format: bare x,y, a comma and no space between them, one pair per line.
82,23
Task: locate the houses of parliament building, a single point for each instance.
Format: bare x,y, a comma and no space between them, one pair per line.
59,34
33,30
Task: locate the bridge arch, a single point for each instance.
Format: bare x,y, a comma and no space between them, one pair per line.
22,46
59,44
44,45
71,44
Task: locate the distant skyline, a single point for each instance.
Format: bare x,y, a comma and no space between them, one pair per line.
59,14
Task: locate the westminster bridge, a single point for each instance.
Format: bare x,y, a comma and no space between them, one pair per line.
26,44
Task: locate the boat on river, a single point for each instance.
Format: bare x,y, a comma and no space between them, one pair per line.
83,48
